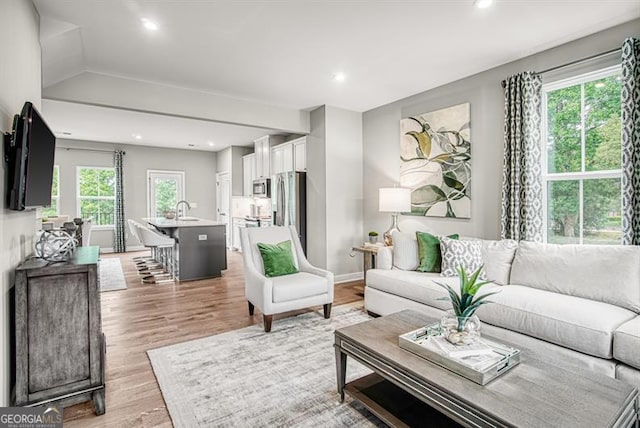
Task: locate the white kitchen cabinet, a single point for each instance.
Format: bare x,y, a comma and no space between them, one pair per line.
277,160
282,158
300,154
248,173
263,154
287,157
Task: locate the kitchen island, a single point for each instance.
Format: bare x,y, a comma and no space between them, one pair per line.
200,251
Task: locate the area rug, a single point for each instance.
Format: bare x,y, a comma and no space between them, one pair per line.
249,378
111,275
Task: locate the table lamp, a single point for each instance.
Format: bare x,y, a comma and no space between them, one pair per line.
394,200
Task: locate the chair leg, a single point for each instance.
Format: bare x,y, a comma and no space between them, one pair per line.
251,307
327,310
267,323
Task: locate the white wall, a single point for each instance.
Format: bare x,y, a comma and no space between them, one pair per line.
344,190
317,190
199,168
334,190
381,147
20,76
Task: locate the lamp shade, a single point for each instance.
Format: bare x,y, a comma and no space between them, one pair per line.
395,199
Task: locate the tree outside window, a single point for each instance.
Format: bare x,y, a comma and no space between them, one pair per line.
54,209
96,194
582,174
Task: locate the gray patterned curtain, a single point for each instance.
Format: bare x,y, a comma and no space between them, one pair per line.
521,175
119,237
631,142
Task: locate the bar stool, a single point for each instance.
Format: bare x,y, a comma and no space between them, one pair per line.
144,264
163,247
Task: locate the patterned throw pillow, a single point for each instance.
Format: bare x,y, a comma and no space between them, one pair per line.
456,254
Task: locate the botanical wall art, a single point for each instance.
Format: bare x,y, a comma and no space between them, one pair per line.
435,154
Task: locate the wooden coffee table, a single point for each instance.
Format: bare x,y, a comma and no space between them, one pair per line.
533,394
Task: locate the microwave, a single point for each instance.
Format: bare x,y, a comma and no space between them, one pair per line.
262,188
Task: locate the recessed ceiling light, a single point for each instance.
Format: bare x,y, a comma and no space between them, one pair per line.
137,136
211,143
339,77
149,25
481,4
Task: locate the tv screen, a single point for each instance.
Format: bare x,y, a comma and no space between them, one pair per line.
32,152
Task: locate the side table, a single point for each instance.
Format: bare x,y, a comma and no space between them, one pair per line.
368,257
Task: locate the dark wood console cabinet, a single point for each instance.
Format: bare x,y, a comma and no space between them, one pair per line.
59,345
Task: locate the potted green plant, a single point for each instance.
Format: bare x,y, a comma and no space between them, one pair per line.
460,325
373,237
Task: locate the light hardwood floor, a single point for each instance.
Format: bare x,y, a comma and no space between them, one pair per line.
147,316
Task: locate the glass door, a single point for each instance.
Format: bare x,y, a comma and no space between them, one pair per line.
164,190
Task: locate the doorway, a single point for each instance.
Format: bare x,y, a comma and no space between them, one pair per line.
164,190
223,202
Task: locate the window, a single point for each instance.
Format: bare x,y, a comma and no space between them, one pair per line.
582,159
54,209
96,194
165,189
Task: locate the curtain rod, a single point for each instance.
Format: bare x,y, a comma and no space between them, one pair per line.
88,150
578,61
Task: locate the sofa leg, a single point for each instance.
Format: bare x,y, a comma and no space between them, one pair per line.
267,323
327,310
251,308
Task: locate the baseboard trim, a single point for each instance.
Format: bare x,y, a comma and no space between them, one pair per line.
348,277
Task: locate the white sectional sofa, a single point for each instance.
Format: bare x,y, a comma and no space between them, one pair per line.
577,306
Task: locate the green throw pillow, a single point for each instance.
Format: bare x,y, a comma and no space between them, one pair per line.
429,252
277,259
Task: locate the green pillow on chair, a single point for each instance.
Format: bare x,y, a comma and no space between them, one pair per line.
429,252
277,259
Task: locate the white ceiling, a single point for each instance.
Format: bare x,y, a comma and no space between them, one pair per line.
102,124
285,52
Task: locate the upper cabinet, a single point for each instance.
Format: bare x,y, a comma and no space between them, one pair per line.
289,156
300,154
272,156
263,154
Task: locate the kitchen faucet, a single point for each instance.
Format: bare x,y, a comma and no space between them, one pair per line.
178,212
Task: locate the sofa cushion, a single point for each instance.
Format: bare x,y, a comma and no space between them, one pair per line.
429,252
580,324
416,286
497,257
298,286
405,251
458,255
626,343
609,274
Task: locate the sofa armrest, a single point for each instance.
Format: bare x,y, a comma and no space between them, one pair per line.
384,258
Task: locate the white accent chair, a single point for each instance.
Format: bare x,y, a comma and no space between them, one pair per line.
311,286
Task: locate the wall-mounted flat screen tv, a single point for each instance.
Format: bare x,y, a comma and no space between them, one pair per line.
29,152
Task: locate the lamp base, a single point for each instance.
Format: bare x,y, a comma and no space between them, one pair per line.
388,241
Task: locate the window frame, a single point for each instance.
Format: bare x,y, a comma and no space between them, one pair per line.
582,175
80,197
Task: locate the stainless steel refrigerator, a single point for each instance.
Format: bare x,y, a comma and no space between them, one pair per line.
289,202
